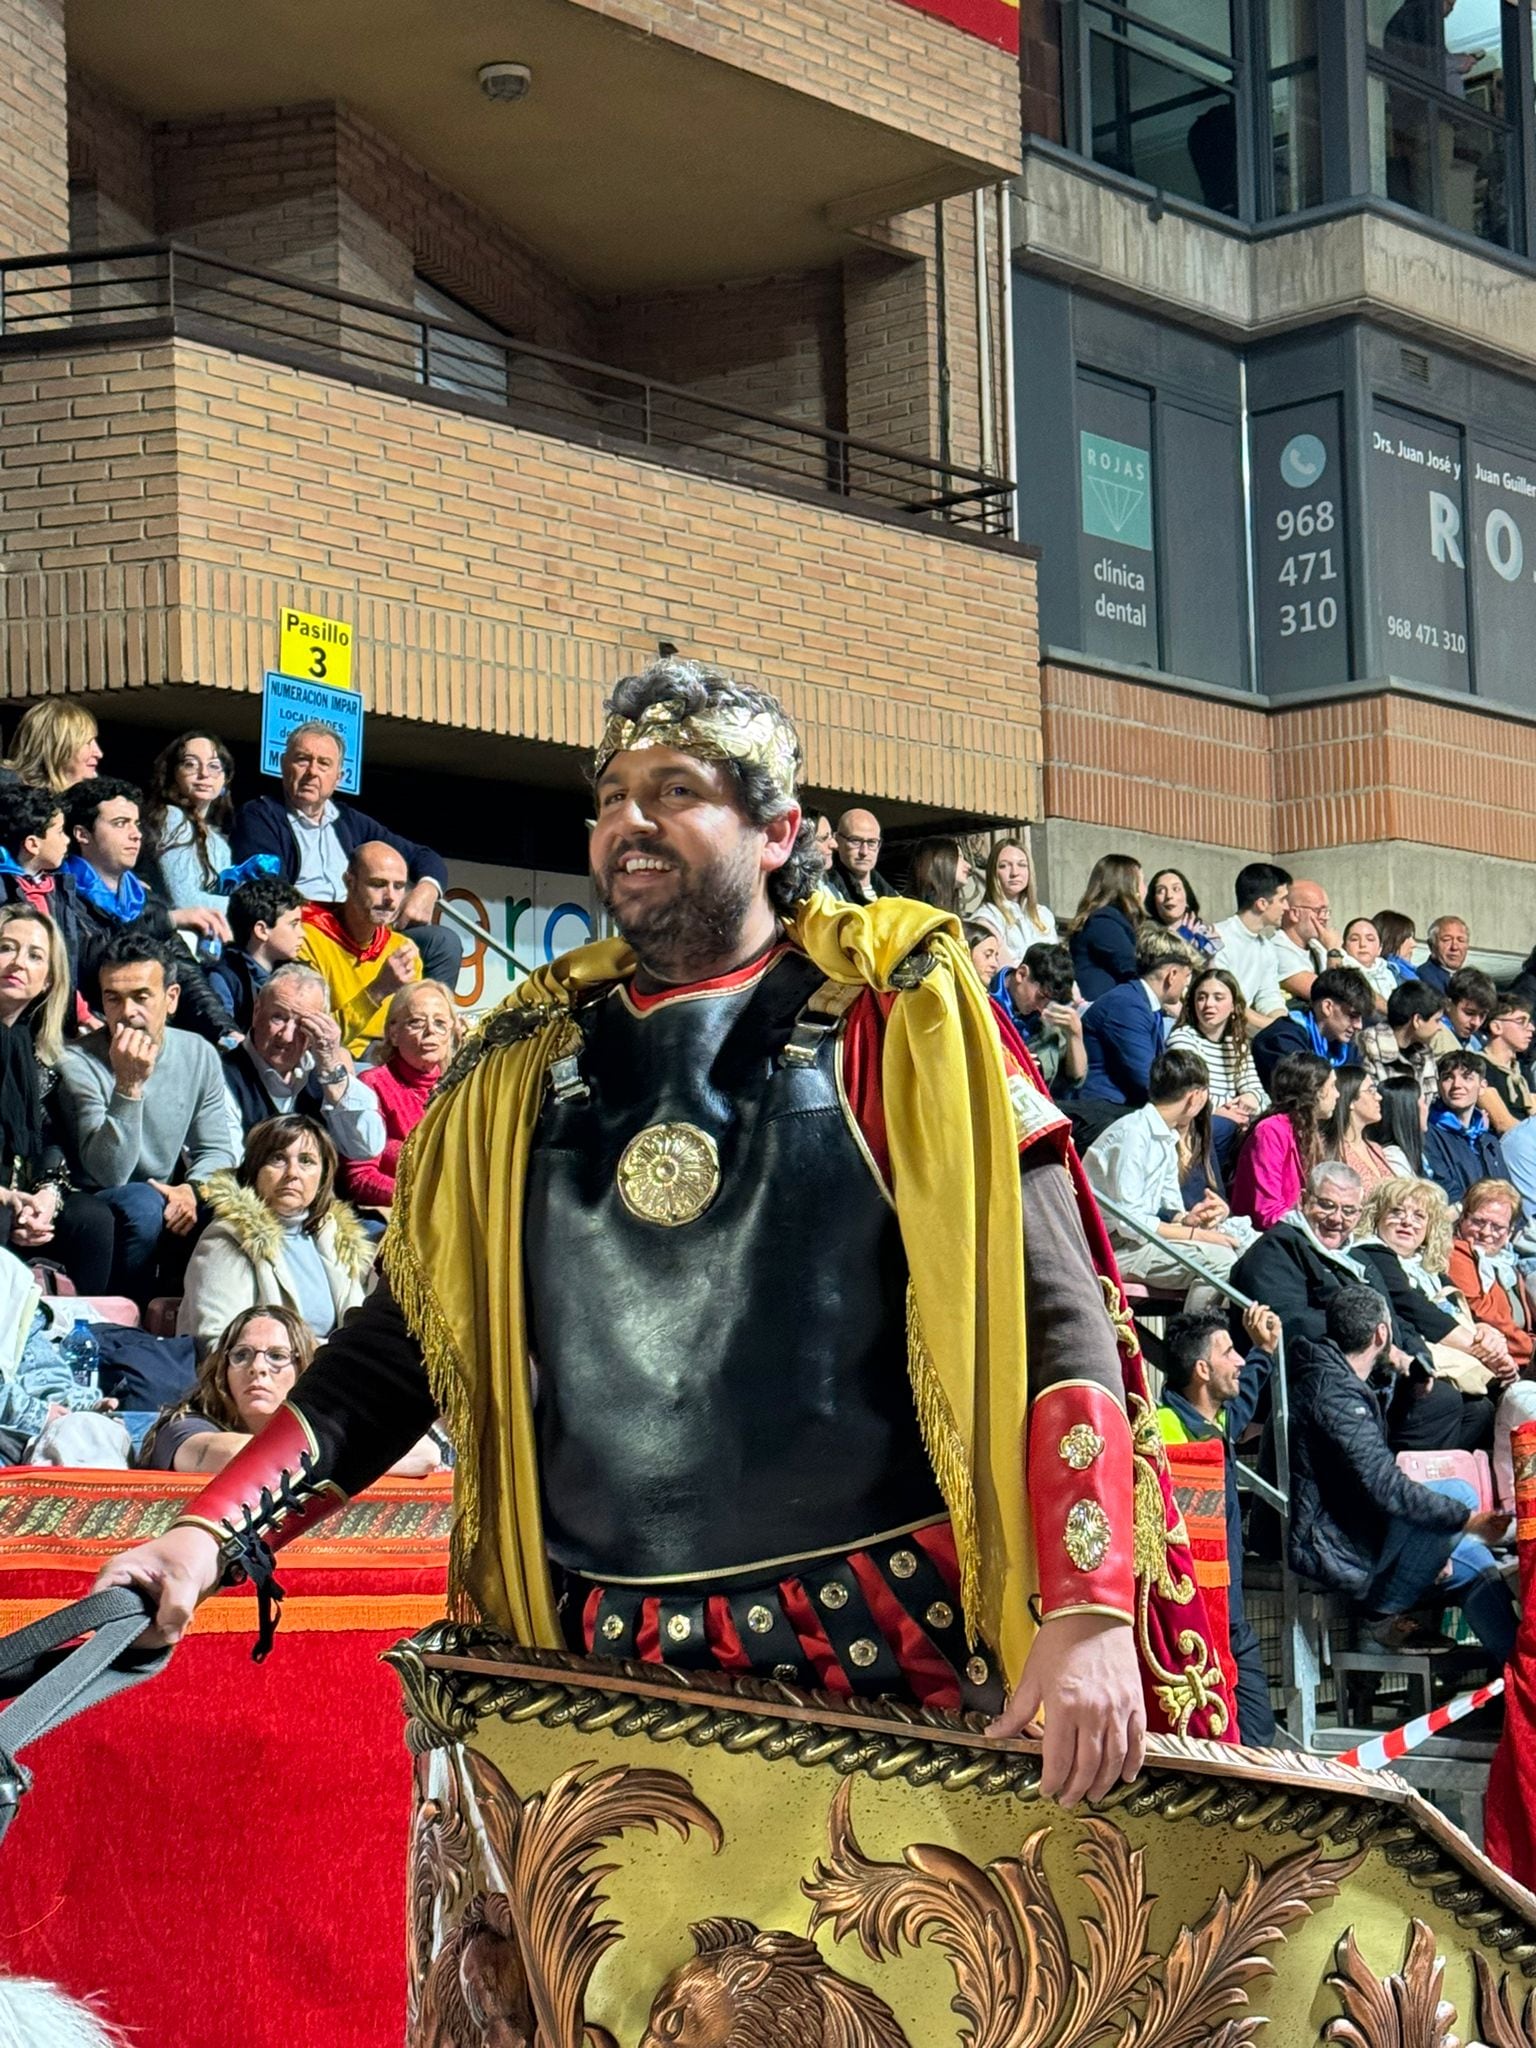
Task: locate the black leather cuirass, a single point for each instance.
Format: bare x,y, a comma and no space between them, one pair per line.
733,1389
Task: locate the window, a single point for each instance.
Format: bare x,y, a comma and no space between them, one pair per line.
1295,126
1162,99
456,362
1441,140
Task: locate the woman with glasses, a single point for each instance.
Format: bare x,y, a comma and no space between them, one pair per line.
240,1386
1484,1268
187,815
1405,1242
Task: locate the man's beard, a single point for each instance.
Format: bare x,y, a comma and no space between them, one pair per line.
697,926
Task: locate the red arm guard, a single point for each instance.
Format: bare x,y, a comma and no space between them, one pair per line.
1082,1498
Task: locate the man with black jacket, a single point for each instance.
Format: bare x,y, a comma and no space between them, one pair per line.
103,819
1303,1261
1359,1524
313,838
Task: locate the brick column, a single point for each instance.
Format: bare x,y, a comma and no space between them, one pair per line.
34,132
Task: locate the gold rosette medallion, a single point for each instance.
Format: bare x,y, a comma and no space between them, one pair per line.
669,1174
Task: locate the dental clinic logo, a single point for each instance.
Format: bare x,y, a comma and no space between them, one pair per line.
1117,493
1302,461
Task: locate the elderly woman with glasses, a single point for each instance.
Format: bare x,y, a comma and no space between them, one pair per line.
1484,1268
1405,1242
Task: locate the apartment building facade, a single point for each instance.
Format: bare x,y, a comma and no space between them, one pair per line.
525,347
1277,428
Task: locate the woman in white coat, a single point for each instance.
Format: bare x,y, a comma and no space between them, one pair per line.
278,1235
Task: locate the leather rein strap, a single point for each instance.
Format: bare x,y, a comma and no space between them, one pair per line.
48,1684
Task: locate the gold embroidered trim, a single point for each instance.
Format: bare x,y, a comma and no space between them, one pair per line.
1087,1535
1081,1445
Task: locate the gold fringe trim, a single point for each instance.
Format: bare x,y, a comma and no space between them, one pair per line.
445,1375
951,1464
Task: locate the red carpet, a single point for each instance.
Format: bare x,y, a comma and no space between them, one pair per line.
219,1856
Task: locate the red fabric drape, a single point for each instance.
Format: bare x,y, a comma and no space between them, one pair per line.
1509,1814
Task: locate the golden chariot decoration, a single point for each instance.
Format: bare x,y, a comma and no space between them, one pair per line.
628,1857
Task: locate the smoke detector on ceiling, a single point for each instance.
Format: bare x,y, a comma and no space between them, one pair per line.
504,81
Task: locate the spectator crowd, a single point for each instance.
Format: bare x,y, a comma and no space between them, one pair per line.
219,1023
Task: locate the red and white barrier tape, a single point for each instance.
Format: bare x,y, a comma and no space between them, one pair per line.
1386,1749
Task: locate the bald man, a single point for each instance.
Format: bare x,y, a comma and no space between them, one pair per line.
354,945
856,848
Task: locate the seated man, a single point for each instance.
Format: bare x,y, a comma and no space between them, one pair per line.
1469,999
1459,1144
1135,1162
104,829
356,949
313,838
266,930
145,1105
1126,1029
1248,951
1415,1012
1449,942
1298,1266
1211,1390
1306,944
34,845
1506,1099
1359,1524
1037,1001
294,1063
853,874
1326,1024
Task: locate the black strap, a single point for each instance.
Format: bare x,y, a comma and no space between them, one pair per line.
51,1685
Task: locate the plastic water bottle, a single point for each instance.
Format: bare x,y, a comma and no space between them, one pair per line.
209,949
82,1354
230,879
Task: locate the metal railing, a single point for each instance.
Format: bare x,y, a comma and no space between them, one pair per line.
1301,1667
164,288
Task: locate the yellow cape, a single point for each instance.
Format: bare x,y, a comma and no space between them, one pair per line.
453,1254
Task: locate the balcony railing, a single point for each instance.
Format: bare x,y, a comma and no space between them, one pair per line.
159,289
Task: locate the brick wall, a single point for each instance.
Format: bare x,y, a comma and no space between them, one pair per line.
34,205
111,169
771,344
499,579
1368,769
874,57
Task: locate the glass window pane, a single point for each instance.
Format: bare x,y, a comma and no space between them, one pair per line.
1401,145
1297,141
1203,21
1292,31
1161,122
1457,45
1473,176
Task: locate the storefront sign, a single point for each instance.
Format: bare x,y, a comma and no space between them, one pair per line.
1416,505
1116,552
536,916
1502,553
1299,548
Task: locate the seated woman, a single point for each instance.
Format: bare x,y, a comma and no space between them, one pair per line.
1483,1267
1404,1242
188,811
241,1384
1350,1133
1172,903
1214,1024
41,1215
1102,933
940,875
278,1235
1009,903
1286,1142
422,1031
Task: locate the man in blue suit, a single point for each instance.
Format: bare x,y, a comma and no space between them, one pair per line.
1126,1029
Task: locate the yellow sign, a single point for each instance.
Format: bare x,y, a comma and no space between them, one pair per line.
315,650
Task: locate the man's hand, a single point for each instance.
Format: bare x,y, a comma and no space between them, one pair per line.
181,1567
401,967
213,924
419,904
1489,1526
1399,1359
1263,1327
1489,1344
322,1035
132,1055
180,1206
1081,1679
1064,1017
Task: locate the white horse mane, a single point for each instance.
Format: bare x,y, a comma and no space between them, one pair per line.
38,2015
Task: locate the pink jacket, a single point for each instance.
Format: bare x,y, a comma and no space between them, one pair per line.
402,1093
1266,1182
